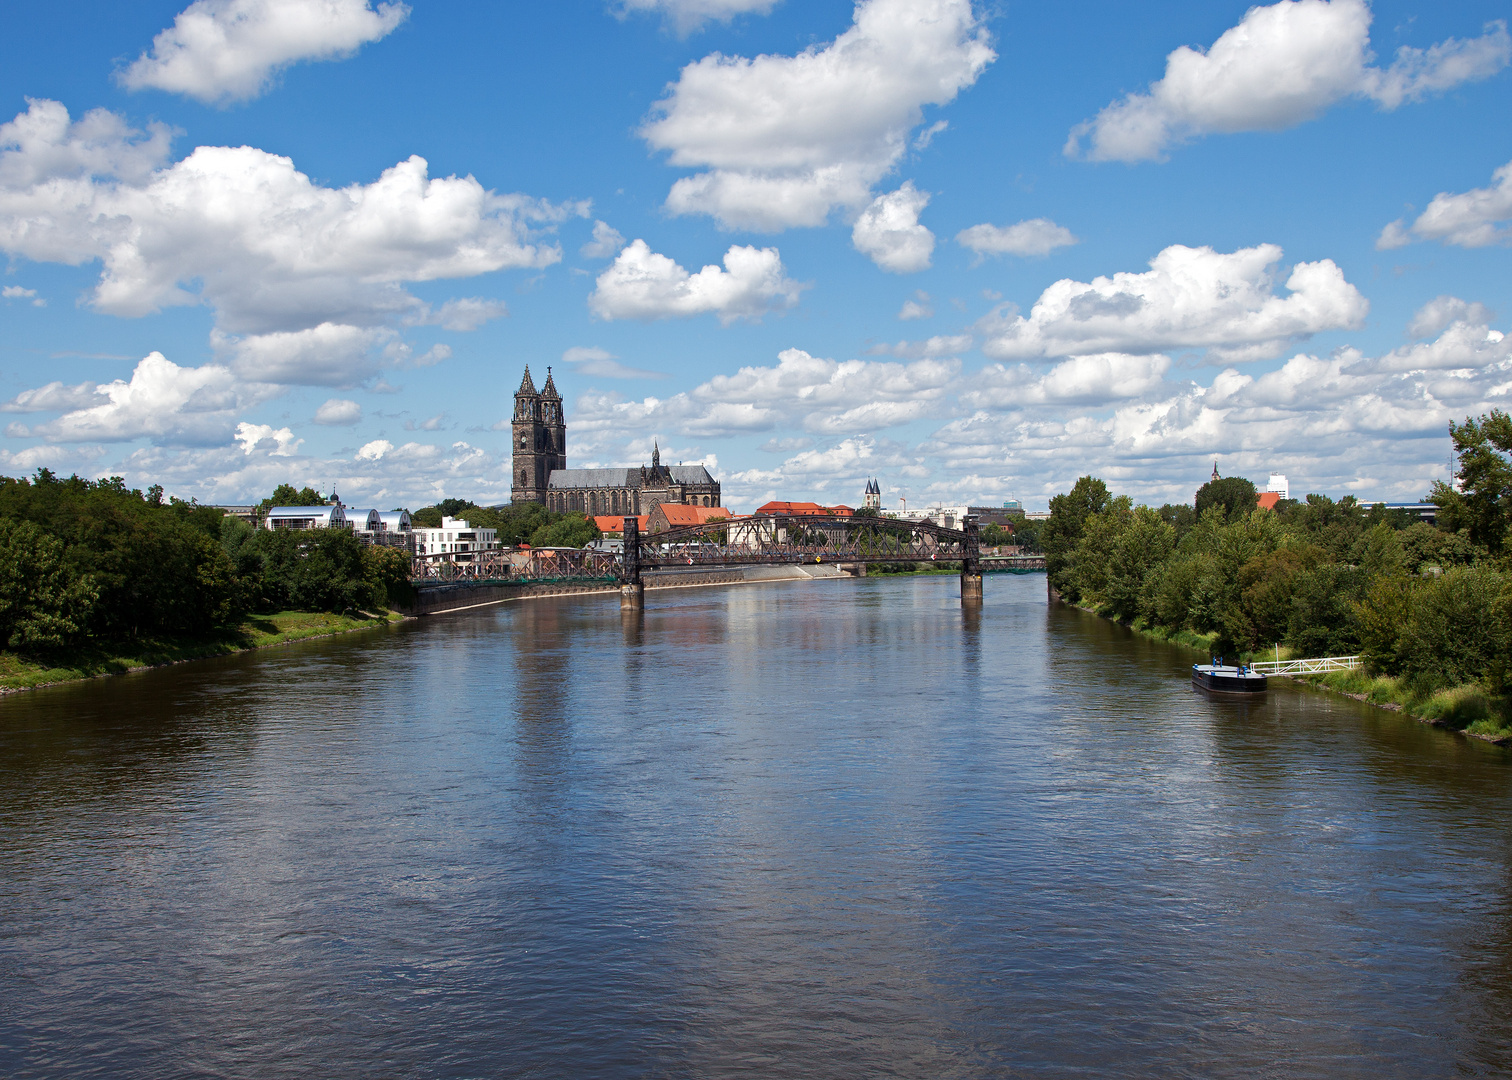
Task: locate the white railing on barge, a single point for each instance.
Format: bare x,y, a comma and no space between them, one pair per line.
1305,667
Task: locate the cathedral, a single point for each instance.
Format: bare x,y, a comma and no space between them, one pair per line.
541,473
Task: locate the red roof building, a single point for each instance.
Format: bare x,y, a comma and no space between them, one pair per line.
813,509
1268,500
666,516
616,524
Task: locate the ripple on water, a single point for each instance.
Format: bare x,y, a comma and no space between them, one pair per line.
834,829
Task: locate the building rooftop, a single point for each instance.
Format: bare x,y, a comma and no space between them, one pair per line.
562,479
810,508
678,515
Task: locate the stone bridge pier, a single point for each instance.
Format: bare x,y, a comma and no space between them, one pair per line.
971,564
632,588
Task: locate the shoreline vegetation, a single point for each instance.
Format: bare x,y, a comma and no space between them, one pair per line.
97,578
1426,605
1467,709
18,672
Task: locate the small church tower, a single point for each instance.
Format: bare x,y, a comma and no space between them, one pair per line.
873,500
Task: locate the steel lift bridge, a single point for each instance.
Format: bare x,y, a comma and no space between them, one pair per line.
758,540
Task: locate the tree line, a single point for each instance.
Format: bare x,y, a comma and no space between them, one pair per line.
92,560
1427,603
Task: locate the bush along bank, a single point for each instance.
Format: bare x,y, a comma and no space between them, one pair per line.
1429,608
95,576
46,668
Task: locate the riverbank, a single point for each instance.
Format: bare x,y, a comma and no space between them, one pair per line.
1467,709
258,632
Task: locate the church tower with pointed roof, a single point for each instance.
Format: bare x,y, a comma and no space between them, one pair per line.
530,434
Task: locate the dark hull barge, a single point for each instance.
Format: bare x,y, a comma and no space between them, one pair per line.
1239,682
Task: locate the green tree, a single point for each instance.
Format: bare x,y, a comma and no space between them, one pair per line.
569,530
1062,531
1135,556
44,602
1234,493
387,573
1458,631
1267,587
1180,517
1382,615
1087,573
288,495
1483,503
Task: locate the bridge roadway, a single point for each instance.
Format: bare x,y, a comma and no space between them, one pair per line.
758,540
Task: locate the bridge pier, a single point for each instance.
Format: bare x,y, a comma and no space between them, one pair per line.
971,564
632,589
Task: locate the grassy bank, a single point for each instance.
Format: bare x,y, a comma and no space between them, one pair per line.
1463,708
19,672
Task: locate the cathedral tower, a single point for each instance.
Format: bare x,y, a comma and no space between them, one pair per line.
556,426
539,438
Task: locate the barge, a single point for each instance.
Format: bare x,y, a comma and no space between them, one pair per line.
1221,679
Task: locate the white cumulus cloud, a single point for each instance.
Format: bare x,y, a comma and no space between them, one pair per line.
243,231
686,16
1443,311
220,51
1080,380
813,393
267,440
888,231
374,450
338,412
1471,219
56,397
593,361
917,308
785,139
1282,65
642,284
1037,236
1189,298
606,241
162,401
938,345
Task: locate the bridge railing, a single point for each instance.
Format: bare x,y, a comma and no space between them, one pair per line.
801,538
1305,667
515,566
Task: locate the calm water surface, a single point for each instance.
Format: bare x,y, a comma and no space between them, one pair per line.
790,830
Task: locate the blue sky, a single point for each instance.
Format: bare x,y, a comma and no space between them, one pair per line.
974,250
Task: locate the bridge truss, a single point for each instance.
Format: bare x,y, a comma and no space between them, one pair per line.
762,539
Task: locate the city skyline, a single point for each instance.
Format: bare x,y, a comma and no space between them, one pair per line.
973,251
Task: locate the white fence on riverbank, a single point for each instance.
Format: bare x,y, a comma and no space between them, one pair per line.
1305,667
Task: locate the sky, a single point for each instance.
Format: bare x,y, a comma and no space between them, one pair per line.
972,249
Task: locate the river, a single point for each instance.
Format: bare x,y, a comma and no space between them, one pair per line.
833,829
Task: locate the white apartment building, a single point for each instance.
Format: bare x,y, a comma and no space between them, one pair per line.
949,517
457,538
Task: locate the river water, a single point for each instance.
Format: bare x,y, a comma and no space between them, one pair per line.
785,830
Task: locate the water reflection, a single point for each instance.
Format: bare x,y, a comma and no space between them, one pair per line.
825,829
